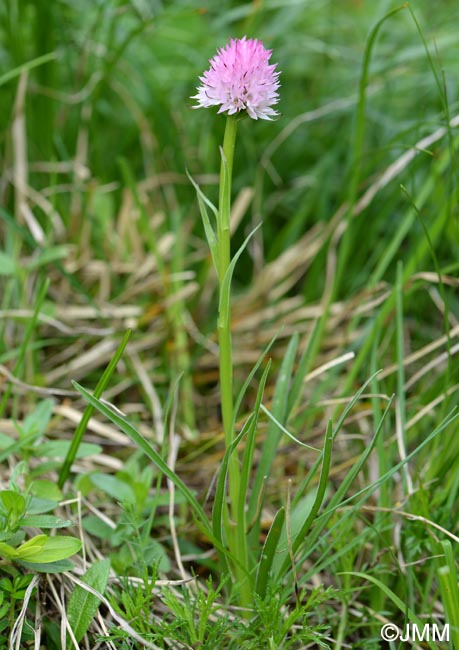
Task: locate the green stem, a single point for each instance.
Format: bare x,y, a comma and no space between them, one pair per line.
235,528
224,255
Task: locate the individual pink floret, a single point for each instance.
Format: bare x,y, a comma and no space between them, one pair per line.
240,78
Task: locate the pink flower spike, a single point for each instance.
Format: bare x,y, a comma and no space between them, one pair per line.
240,78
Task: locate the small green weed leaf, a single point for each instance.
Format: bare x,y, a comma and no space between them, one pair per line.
60,448
7,551
32,546
39,506
13,503
20,469
47,490
103,207
16,586
113,486
43,549
83,605
37,422
98,528
150,554
15,446
45,521
13,539
159,500
6,587
155,555
47,567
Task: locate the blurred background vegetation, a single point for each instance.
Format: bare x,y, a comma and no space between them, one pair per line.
120,81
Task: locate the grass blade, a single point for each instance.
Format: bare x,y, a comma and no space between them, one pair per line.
304,365
448,579
250,376
323,480
34,63
151,453
220,501
317,534
279,411
268,552
358,144
355,469
286,431
247,459
41,295
400,404
302,489
81,428
400,604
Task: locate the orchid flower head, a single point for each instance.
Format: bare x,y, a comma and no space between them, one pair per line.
240,78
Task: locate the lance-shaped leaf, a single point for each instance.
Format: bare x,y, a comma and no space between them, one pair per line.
203,201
